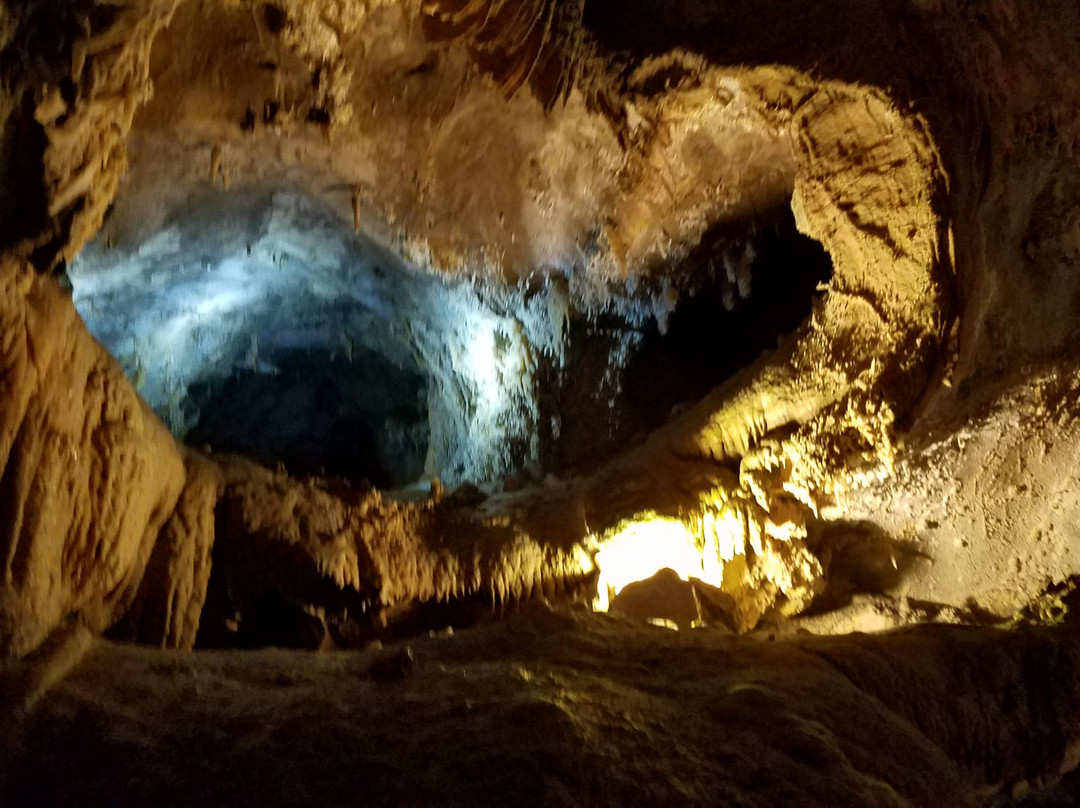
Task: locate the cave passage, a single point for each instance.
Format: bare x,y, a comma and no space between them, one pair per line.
743,289
254,322
352,415
252,325
257,323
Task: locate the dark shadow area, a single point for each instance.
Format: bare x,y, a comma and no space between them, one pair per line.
859,559
23,206
261,592
851,40
745,287
266,590
360,418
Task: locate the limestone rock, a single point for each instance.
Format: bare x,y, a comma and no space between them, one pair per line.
89,473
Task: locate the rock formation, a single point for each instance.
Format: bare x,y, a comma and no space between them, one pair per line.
485,215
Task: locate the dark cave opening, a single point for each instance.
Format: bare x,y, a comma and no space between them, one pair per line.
744,288
747,286
254,323
358,417
257,325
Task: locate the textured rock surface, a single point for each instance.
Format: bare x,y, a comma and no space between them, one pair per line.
716,145
564,709
167,609
90,474
929,146
774,445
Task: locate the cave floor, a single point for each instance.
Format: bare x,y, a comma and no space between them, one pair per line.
553,707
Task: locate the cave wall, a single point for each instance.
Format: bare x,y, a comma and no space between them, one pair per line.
266,283
90,474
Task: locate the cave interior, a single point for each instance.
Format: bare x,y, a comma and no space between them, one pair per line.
488,402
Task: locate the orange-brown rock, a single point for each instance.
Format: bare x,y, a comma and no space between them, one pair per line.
167,609
89,473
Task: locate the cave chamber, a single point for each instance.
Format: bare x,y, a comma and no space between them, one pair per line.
479,402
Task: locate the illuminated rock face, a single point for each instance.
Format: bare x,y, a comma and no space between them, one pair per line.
616,219
226,260
75,436
254,322
453,242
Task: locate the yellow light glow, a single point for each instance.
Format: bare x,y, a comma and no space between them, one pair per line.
638,549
